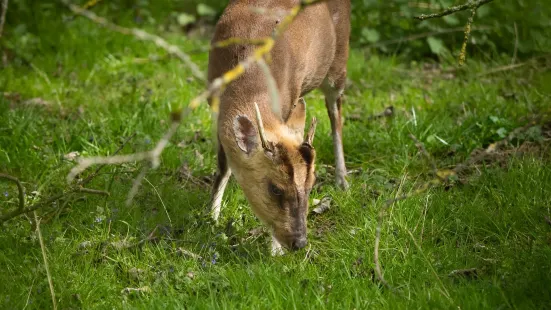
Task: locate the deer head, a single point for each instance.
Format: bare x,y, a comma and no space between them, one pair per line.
276,172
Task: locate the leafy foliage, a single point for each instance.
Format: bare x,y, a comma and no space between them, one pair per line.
379,21
386,25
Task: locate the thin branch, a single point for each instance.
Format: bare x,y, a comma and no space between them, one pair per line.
141,35
272,87
41,204
3,15
136,185
503,68
466,6
45,258
93,191
20,189
93,175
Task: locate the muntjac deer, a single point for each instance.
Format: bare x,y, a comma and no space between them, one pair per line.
271,160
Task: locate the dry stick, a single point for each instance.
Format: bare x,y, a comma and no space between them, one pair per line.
136,185
503,68
141,35
272,87
19,188
45,258
93,175
79,188
214,88
38,205
3,15
454,9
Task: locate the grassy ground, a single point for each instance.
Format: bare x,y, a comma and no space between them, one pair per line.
91,91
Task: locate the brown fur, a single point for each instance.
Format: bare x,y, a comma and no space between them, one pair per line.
312,52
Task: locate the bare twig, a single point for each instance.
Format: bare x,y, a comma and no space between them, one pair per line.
3,15
136,185
141,35
93,175
454,9
503,68
272,87
20,189
45,258
93,191
41,204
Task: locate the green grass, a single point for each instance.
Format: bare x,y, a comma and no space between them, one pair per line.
98,97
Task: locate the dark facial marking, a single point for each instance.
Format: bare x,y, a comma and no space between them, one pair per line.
285,160
307,153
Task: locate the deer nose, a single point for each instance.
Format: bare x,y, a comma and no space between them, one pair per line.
299,243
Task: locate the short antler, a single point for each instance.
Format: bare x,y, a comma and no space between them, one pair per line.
261,128
311,132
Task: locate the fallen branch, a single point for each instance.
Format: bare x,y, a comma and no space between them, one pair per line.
93,175
20,189
78,188
40,204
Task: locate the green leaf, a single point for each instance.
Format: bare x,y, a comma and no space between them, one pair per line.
185,19
502,132
371,35
451,20
436,45
205,10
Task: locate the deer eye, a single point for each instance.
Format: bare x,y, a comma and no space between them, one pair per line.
274,190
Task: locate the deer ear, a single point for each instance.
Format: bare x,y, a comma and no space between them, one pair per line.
245,134
297,117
